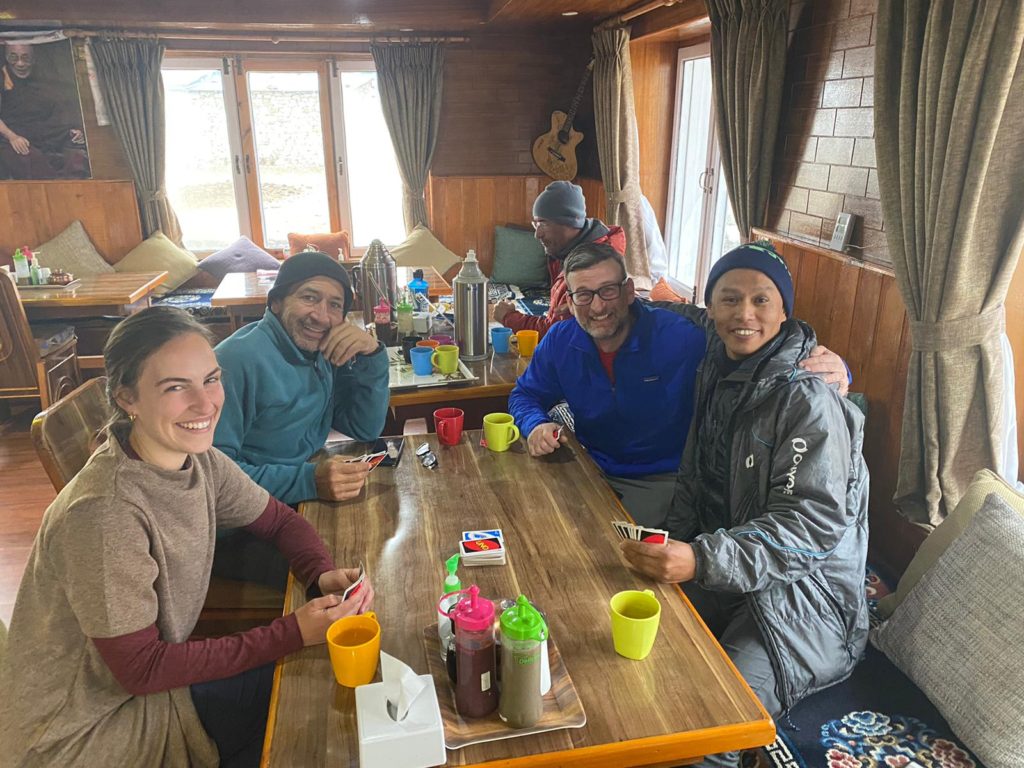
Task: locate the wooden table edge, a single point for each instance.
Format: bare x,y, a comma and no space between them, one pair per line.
275,690
58,302
406,397
148,287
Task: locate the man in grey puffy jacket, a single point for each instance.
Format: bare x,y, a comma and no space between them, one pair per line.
769,522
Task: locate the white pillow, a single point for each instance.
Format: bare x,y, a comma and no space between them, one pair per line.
957,635
422,249
73,251
158,254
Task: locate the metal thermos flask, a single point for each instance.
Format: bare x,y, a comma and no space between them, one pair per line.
470,288
378,279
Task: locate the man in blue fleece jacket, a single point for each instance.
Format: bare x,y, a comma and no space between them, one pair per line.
627,370
295,374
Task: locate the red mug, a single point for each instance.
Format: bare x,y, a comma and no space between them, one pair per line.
448,425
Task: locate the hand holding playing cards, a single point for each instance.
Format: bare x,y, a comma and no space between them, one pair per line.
545,438
344,341
669,563
338,479
317,615
348,582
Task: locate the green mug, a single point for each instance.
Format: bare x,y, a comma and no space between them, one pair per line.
446,358
500,431
635,618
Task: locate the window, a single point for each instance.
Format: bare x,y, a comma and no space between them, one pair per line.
700,223
279,146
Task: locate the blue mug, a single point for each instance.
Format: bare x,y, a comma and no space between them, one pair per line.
421,363
499,340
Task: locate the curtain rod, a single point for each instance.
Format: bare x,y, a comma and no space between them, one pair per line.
275,39
634,12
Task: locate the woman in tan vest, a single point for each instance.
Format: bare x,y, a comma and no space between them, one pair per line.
99,667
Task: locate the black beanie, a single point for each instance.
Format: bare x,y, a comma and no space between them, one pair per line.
305,265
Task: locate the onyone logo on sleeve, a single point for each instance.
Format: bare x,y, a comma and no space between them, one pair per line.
799,449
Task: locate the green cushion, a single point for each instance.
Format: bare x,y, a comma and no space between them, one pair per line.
519,259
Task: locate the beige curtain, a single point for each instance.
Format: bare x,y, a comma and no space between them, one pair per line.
617,145
949,111
129,76
748,68
410,77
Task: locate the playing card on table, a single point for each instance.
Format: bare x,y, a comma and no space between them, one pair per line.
482,547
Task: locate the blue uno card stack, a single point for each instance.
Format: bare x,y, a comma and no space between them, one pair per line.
482,547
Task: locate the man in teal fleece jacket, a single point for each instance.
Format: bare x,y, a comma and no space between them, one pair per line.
295,374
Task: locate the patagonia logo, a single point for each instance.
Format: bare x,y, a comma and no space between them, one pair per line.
649,379
750,461
799,446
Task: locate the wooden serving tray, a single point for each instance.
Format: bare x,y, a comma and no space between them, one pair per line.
562,705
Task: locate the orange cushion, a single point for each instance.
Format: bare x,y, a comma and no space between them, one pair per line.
331,243
662,291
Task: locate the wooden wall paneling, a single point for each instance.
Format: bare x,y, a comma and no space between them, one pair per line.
862,326
1015,332
32,212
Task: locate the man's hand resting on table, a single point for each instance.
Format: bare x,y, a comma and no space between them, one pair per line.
501,309
338,478
542,439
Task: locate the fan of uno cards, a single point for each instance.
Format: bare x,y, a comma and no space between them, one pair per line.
640,533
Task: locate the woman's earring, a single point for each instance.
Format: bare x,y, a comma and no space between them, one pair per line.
131,417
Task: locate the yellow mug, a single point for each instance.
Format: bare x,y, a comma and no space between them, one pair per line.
446,358
500,431
354,645
527,342
635,618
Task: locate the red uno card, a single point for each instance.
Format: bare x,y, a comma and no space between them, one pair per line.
481,545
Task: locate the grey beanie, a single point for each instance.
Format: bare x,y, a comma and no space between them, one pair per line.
563,203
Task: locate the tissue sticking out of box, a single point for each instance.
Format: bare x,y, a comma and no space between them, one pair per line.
401,686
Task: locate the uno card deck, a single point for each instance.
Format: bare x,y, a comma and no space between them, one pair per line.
642,533
482,547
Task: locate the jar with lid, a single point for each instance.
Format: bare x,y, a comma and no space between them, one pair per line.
522,636
476,684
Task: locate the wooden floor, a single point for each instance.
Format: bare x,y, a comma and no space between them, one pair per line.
25,493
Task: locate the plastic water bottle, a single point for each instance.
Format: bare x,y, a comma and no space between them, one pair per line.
470,288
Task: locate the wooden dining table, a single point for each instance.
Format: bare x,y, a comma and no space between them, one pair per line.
117,293
683,701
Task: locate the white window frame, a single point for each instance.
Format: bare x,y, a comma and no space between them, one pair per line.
225,65
707,182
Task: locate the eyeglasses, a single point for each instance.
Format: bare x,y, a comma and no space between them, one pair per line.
583,297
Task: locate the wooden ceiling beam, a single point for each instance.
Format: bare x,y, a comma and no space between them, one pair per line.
684,13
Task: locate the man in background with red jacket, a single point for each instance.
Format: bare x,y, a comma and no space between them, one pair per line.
560,223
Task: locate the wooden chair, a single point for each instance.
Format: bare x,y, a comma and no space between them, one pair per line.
25,370
65,435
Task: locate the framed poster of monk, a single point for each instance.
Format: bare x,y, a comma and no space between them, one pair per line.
42,134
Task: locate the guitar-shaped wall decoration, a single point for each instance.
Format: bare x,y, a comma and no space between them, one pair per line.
554,152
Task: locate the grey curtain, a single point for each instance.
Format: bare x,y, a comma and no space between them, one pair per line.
748,69
949,106
129,76
618,147
410,78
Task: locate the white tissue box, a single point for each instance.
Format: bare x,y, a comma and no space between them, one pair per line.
416,742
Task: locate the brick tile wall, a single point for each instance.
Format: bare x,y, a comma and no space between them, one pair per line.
826,158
